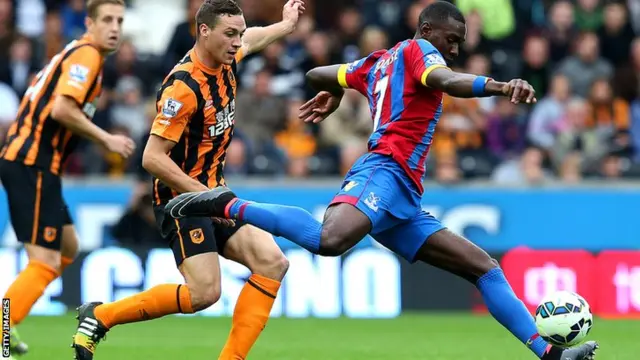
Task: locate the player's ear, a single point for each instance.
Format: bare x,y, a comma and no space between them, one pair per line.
425,30
88,22
204,30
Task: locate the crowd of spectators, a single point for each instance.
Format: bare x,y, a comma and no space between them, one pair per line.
583,58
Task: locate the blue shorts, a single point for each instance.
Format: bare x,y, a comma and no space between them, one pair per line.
380,188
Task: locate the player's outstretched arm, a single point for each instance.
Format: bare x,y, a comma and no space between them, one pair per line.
156,161
325,78
467,86
257,38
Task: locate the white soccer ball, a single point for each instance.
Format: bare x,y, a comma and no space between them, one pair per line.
564,319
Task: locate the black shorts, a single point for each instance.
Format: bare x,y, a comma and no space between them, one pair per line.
193,235
36,207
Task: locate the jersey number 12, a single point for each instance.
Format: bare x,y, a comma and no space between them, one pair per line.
381,91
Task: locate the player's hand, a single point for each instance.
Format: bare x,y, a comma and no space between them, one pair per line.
292,11
223,222
518,91
120,144
318,108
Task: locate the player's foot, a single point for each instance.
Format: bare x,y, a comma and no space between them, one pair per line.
89,333
202,204
586,351
17,346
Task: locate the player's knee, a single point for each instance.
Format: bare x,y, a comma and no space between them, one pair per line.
203,297
333,243
331,249
485,265
70,247
273,265
44,255
343,227
488,264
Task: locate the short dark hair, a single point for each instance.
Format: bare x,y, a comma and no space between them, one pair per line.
210,10
94,5
439,12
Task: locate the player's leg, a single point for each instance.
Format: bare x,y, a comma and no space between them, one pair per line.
342,228
343,225
255,249
70,244
451,252
194,246
37,216
348,220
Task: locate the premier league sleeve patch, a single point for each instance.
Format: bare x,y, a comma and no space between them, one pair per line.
171,108
79,73
435,59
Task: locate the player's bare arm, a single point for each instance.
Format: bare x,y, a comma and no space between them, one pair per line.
66,111
325,80
157,162
257,38
467,86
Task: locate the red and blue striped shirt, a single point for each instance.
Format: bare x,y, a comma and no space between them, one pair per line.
405,110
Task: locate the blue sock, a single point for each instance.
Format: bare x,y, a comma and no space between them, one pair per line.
509,310
292,223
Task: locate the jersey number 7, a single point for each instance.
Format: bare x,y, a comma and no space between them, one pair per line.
381,91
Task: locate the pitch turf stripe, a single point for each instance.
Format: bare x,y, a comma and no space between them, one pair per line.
260,289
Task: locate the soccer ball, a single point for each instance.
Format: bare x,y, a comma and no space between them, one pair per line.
564,319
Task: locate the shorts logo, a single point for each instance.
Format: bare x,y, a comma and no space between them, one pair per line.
196,235
372,201
350,186
171,107
50,233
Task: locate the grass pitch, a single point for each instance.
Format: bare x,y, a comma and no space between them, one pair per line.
411,336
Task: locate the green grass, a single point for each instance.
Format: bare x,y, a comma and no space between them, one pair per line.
412,336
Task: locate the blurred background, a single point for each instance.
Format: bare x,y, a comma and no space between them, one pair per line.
552,190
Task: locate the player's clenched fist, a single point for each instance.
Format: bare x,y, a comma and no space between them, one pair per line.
519,90
292,11
120,144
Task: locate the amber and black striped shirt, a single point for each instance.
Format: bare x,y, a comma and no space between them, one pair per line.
196,110
35,139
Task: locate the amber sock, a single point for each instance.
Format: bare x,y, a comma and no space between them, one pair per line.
250,316
64,262
156,302
28,287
